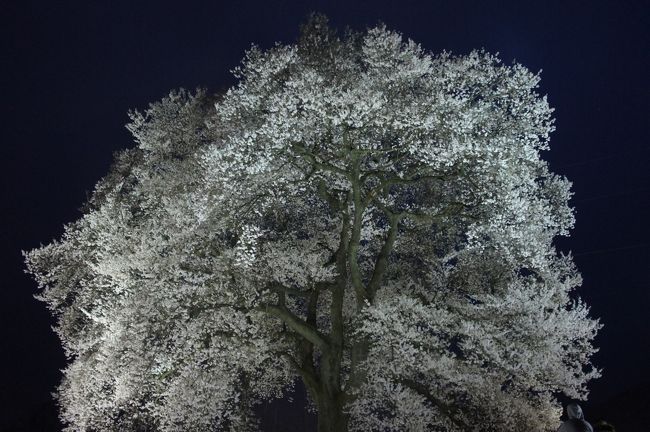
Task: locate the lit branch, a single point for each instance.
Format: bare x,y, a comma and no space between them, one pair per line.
305,330
381,263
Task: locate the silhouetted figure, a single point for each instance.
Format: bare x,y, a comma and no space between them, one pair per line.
576,422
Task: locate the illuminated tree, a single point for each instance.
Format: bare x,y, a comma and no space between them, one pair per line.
356,213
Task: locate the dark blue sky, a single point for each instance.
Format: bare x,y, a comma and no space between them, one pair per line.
71,71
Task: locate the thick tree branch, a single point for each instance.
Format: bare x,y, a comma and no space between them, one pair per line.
357,221
308,376
296,324
306,348
452,209
291,291
381,263
338,289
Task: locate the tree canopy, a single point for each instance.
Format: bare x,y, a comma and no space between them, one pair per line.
357,214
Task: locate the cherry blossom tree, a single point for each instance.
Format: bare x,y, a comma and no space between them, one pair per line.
357,214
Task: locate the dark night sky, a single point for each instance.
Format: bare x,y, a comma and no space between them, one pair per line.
72,70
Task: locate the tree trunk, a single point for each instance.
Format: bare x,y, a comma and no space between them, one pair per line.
330,400
331,417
